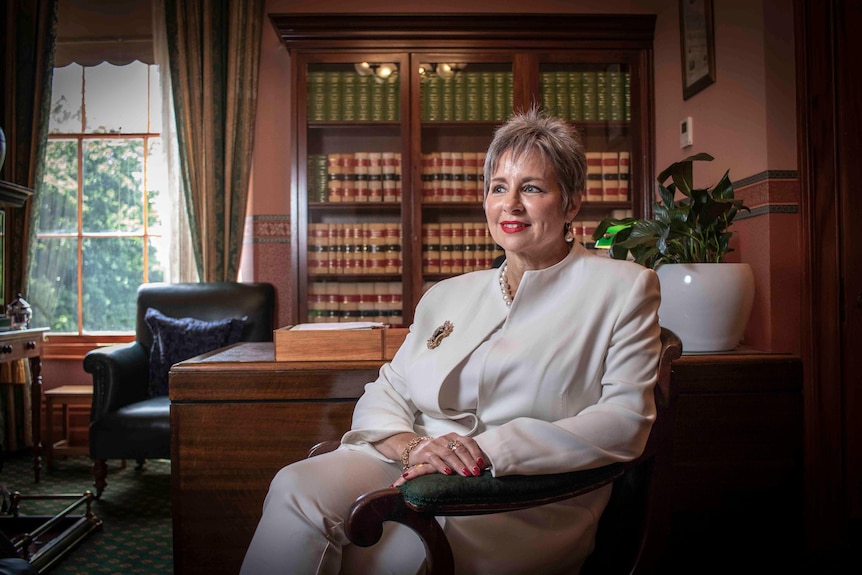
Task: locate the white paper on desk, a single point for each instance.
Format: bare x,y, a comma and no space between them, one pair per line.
337,326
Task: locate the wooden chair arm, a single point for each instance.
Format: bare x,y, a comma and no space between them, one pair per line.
416,503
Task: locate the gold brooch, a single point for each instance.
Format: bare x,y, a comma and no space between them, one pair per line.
439,333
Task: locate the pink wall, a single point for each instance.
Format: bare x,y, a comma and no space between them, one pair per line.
746,120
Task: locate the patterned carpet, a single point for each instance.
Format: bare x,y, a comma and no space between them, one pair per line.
135,509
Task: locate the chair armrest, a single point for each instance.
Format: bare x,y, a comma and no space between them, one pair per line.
456,495
120,376
416,503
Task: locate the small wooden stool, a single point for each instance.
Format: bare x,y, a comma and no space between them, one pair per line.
64,395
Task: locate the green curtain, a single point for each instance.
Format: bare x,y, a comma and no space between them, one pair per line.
214,51
29,34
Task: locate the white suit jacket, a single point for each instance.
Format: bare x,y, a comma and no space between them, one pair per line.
568,384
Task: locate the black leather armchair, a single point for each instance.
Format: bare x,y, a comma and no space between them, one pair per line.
125,421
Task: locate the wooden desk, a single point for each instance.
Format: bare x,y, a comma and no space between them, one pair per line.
237,417
27,344
737,465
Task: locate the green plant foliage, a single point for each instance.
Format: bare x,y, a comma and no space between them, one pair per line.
693,229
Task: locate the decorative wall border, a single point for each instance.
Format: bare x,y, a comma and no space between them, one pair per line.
769,192
267,229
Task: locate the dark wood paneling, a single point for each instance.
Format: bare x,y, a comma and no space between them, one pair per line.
829,139
224,458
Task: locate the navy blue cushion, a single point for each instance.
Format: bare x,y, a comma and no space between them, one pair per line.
178,339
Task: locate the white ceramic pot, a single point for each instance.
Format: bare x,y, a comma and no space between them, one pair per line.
706,305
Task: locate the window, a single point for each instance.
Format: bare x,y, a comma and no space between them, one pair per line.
99,228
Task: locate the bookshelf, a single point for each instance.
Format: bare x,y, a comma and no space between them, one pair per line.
392,115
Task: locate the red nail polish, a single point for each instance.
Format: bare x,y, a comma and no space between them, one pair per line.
447,471
464,471
405,474
476,472
481,462
391,485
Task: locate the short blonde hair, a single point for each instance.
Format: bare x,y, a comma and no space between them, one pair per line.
557,142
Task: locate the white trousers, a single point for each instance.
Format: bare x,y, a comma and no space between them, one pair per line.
302,528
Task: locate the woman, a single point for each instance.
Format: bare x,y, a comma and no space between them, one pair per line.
546,365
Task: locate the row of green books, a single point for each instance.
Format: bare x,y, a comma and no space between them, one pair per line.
587,95
467,96
347,97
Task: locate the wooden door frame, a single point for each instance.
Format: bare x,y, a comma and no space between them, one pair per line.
828,135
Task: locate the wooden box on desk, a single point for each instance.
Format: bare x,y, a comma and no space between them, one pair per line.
337,344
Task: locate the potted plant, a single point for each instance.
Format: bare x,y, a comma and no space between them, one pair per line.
706,304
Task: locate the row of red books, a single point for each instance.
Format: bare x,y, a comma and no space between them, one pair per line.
355,301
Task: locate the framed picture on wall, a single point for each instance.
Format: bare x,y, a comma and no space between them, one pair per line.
697,45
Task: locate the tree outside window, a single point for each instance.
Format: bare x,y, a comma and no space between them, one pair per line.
99,223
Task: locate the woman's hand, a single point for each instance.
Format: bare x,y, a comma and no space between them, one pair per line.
448,454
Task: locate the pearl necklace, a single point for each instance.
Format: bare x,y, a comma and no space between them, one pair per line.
504,286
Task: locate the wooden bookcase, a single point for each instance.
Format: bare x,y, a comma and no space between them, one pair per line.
382,165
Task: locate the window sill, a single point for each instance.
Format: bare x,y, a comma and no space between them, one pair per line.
77,346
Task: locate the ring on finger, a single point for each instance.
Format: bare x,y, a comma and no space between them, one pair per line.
454,444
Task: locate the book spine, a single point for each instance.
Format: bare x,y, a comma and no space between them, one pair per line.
588,91
561,83
616,95
486,94
363,98
333,95
377,101
335,178
431,87
376,248
459,97
458,189
348,96
500,87
317,107
348,170
457,248
446,248
610,177
390,184
316,302
394,263
594,177
576,98
336,248
375,177
431,248
392,88
602,95
447,100
548,89
625,177
318,248
473,98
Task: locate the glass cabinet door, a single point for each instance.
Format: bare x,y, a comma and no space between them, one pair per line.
462,100
597,99
351,191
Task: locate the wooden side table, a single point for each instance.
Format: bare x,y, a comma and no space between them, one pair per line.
27,344
65,395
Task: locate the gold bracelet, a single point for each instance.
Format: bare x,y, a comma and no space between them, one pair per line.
411,445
